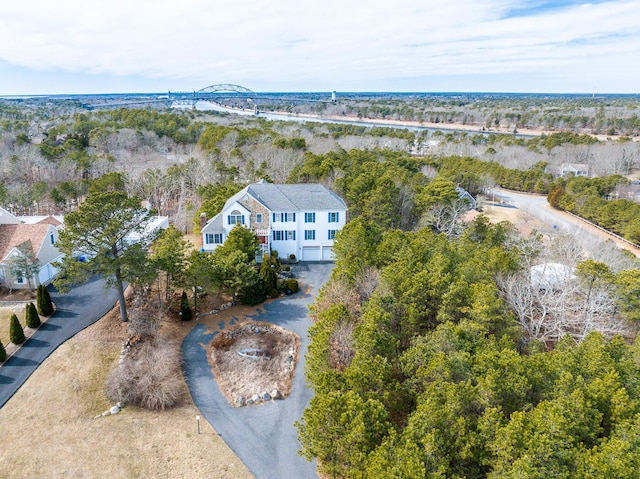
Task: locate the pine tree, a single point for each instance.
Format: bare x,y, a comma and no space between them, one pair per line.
32,319
43,300
3,353
16,333
185,309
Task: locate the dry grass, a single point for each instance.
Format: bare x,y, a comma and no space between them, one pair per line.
521,220
241,376
48,427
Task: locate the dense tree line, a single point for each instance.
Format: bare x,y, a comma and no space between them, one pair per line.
593,199
420,369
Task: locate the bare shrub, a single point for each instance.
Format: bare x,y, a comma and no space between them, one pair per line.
140,324
337,292
366,283
341,350
149,376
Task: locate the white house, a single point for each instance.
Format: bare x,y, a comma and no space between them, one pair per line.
300,219
36,234
40,235
576,169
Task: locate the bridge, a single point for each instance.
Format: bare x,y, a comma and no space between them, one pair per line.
236,95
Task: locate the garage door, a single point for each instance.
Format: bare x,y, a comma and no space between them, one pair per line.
327,253
311,253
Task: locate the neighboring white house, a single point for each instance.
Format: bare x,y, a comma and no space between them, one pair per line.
300,219
577,169
39,235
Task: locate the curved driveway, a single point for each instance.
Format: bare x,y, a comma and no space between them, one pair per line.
263,436
75,310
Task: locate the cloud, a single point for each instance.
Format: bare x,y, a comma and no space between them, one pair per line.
310,44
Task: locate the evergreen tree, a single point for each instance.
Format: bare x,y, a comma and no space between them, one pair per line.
32,319
47,308
3,353
100,228
185,309
16,333
268,274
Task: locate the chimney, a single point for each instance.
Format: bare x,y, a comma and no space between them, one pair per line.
203,220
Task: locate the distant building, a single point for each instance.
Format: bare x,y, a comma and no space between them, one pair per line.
464,195
300,219
576,169
551,276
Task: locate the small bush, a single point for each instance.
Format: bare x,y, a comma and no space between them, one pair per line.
185,309
43,300
16,333
292,285
3,353
31,316
274,293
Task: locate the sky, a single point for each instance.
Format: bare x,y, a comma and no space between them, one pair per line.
124,46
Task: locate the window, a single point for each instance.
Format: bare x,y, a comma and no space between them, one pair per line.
52,238
284,235
287,217
236,219
332,234
214,238
258,217
309,217
334,216
309,234
20,280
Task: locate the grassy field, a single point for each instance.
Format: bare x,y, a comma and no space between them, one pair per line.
48,428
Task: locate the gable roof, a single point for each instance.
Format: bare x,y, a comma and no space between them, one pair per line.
51,220
12,236
7,218
295,197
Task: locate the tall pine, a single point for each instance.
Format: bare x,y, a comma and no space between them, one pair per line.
3,353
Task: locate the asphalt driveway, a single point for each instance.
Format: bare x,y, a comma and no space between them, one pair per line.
76,310
263,436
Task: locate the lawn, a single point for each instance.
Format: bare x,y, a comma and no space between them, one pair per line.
49,426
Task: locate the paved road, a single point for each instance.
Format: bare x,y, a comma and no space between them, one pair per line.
76,310
263,436
559,221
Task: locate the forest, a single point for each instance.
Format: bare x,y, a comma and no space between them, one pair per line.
434,351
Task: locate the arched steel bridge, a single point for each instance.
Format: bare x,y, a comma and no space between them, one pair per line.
216,94
213,93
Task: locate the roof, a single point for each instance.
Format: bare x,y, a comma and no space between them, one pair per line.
574,166
296,197
12,236
51,220
7,218
551,275
214,225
